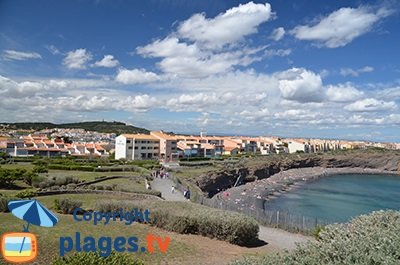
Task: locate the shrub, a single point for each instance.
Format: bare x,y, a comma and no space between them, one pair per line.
71,186
99,187
30,178
26,194
66,206
3,204
40,169
367,239
95,258
188,218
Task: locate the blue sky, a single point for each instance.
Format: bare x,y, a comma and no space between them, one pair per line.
326,69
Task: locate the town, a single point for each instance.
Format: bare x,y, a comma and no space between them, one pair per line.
165,147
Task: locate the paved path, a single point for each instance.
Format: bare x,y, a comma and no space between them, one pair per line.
165,185
277,239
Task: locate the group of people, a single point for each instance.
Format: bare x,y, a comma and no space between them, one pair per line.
160,173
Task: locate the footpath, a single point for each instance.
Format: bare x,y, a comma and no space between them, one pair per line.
164,186
276,239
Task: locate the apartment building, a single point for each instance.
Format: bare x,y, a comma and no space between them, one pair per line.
168,145
137,147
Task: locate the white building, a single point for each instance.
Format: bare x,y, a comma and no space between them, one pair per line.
137,147
296,145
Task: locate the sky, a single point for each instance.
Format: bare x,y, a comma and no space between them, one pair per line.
304,68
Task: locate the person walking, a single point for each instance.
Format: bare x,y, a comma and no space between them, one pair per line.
173,189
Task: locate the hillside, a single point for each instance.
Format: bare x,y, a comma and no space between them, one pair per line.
99,126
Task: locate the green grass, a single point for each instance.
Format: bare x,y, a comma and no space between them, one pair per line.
125,184
89,176
193,172
88,200
48,238
27,166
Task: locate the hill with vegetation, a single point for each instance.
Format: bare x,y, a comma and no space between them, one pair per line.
98,126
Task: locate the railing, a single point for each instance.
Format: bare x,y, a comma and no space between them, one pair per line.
284,220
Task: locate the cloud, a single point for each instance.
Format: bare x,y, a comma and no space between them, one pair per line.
341,26
77,59
53,49
343,93
225,28
392,93
279,52
108,61
202,46
20,56
301,85
356,72
188,60
370,104
277,34
136,76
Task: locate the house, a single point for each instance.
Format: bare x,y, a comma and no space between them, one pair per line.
231,150
137,147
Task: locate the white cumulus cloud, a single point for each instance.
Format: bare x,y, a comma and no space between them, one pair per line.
108,61
136,76
77,59
301,85
226,28
341,26
370,104
343,93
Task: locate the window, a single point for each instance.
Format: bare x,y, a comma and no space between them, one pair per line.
155,154
173,142
150,147
155,147
136,141
130,147
143,147
128,141
143,142
136,148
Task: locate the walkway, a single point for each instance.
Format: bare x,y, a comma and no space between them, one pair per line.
164,186
277,239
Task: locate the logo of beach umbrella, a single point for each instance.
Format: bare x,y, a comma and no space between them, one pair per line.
23,247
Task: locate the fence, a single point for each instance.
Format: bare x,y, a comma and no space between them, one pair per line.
284,220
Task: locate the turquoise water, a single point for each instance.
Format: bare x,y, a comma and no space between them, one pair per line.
338,198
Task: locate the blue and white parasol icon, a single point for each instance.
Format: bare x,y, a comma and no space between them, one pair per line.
33,212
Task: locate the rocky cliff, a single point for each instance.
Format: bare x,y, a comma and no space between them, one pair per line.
264,167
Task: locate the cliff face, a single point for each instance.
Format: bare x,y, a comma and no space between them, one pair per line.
259,168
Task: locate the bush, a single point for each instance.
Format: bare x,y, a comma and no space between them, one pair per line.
188,218
367,239
66,206
40,169
26,194
3,204
95,258
30,178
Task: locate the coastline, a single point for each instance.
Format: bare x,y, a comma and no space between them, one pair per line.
255,194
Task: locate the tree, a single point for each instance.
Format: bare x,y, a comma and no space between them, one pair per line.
29,177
